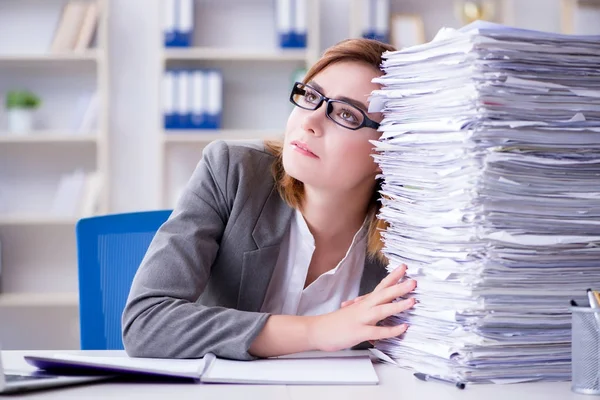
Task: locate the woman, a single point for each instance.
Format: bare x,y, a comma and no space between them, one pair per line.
274,248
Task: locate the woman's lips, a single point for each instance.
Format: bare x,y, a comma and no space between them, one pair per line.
303,148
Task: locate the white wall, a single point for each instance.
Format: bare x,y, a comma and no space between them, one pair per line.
134,32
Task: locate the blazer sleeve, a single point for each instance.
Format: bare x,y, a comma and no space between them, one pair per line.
161,317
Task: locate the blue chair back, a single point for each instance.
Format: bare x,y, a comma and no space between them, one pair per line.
110,249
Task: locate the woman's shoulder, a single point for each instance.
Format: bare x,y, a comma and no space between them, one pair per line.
234,152
240,165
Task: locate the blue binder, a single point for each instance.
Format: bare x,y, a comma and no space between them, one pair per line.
179,23
168,92
214,109
377,20
185,23
182,99
291,17
199,99
170,22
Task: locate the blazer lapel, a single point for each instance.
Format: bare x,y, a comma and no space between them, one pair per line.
373,273
258,265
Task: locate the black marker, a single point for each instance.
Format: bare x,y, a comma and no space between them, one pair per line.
425,377
574,303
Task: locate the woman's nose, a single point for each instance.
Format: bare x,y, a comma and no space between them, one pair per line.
313,120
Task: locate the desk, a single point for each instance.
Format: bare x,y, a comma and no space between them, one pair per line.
394,384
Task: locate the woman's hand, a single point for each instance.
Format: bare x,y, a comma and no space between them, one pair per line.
356,321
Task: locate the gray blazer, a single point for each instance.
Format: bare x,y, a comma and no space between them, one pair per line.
202,282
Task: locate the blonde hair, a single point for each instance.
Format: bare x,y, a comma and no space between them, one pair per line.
292,190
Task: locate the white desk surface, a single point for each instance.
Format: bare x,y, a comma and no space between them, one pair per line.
394,384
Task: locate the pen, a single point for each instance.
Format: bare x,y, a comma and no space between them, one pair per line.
597,296
594,304
592,298
426,377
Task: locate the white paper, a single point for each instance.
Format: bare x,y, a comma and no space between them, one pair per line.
303,371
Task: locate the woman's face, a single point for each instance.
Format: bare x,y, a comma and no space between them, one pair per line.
323,154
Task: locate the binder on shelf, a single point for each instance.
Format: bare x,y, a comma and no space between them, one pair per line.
169,22
291,23
182,99
168,95
192,99
199,102
300,23
69,29
214,85
376,20
88,27
178,23
185,23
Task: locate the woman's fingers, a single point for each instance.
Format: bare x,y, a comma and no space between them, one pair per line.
383,311
354,300
392,278
385,332
393,292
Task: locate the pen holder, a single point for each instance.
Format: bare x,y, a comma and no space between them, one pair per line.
585,350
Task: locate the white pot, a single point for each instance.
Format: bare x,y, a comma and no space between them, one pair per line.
20,120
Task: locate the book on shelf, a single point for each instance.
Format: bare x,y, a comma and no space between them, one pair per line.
76,27
77,194
86,114
291,23
192,98
178,22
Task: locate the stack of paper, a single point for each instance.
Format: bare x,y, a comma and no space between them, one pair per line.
490,156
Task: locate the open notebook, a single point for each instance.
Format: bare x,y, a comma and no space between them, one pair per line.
343,368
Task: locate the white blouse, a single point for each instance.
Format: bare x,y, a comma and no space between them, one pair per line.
286,293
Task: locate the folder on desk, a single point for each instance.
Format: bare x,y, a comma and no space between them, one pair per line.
328,369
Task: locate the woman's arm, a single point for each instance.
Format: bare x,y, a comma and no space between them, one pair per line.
161,317
353,324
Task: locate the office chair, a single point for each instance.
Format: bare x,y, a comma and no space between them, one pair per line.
110,249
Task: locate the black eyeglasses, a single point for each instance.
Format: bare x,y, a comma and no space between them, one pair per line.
340,112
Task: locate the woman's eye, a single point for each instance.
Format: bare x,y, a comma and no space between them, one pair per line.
348,116
310,97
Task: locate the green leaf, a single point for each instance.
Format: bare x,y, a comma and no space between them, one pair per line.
22,99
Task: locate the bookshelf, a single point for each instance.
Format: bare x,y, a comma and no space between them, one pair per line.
255,70
207,53
560,16
38,280
46,300
580,16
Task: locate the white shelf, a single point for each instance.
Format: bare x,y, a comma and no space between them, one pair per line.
47,137
209,135
10,300
208,53
32,220
86,56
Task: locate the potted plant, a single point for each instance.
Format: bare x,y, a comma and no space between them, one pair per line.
20,105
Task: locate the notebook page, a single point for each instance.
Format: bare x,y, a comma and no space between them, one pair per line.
304,371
